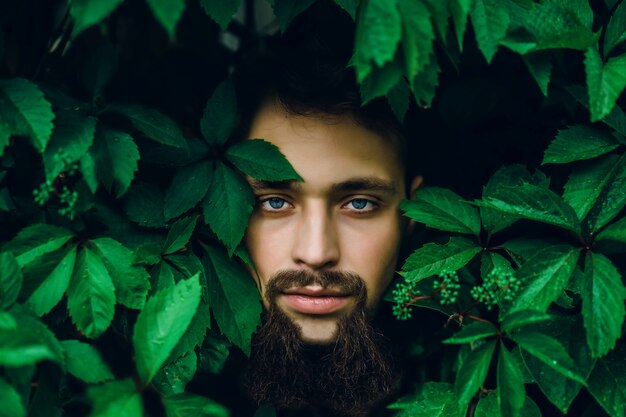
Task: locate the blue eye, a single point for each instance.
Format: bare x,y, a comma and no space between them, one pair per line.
359,203
276,203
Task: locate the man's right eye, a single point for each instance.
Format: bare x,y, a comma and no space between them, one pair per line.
274,204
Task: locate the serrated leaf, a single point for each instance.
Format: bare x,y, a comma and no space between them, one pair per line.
220,113
161,324
179,234
349,6
511,390
221,11
144,205
24,111
425,83
131,282
87,167
612,198
442,209
153,124
167,13
560,24
115,399
440,15
488,407
433,259
615,231
91,295
10,280
398,98
378,32
195,333
417,35
586,183
227,206
11,401
549,351
85,363
261,160
214,352
472,332
72,136
433,399
607,382
490,21
605,82
173,377
616,117
539,65
533,202
87,13
36,240
51,290
544,276
116,155
616,29
191,405
378,82
578,142
233,297
603,303
523,318
189,185
286,10
460,11
472,374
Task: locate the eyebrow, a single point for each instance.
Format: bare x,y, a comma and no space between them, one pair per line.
352,184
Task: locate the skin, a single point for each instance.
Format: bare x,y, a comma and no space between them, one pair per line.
343,217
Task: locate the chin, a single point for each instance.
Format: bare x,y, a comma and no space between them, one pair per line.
317,330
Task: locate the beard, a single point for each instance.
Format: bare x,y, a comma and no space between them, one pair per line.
348,376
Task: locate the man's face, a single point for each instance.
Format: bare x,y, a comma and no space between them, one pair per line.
342,218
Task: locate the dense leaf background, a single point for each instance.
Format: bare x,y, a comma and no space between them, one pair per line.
123,290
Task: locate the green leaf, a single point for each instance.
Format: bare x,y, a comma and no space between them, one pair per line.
10,280
87,13
191,405
398,98
116,156
213,354
233,297
615,231
612,199
616,29
12,405
24,111
511,392
167,13
91,295
174,377
179,234
228,205
442,209
460,11
28,343
349,6
432,259
488,407
607,382
586,183
189,185
472,332
472,374
540,66
533,202
85,363
615,119
144,205
440,14
195,333
35,241
72,136
549,351
153,124
161,324
87,167
490,20
261,160
523,318
578,142
605,82
286,10
221,11
544,276
425,83
417,35
380,81
51,290
131,282
378,31
433,399
115,399
603,303
220,114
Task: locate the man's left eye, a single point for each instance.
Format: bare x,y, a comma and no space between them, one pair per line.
362,205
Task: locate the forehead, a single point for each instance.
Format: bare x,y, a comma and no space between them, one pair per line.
328,149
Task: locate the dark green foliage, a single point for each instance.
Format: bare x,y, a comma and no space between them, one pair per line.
120,213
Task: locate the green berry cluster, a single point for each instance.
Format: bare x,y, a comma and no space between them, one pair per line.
448,287
69,166
44,192
403,295
498,285
68,199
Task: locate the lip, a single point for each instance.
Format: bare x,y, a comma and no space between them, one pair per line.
320,304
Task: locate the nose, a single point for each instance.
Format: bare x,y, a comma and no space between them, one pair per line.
316,243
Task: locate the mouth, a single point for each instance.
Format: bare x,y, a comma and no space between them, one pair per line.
315,300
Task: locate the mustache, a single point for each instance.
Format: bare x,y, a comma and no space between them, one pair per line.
344,281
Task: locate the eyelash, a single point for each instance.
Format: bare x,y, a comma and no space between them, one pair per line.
265,205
